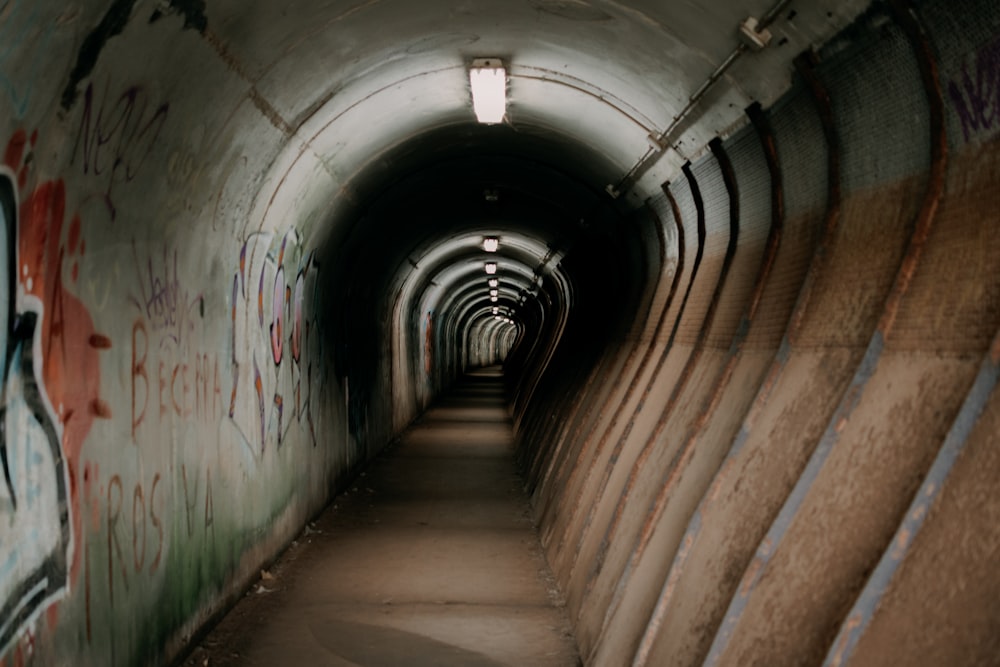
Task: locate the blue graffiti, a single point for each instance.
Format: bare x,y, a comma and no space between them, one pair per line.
35,531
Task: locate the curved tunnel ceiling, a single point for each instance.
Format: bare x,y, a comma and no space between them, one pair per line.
373,104
358,104
353,82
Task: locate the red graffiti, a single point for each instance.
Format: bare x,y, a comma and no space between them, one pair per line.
278,316
297,316
163,298
70,345
188,387
134,524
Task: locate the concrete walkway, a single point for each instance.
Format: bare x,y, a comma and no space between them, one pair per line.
430,559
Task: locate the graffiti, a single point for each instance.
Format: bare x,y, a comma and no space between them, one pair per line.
51,378
24,39
182,387
428,343
267,313
116,136
278,302
135,530
37,538
975,92
163,300
134,525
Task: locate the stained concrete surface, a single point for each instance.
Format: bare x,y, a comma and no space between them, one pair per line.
430,558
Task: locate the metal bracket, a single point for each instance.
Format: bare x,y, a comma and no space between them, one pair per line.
751,36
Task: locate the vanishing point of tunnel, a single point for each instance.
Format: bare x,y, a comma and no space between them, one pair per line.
534,332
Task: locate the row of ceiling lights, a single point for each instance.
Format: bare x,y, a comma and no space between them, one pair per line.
491,244
488,80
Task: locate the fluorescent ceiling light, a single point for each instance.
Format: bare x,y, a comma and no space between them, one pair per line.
491,244
488,79
491,268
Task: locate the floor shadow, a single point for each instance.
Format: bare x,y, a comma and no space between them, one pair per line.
378,646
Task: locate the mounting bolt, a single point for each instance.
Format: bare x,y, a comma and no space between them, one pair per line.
752,37
655,143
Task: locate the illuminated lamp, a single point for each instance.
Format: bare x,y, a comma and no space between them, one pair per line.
488,80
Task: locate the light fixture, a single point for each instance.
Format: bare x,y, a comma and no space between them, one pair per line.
494,292
496,311
498,318
494,299
491,268
491,244
488,80
494,282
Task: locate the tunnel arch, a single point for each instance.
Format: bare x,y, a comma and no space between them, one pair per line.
748,248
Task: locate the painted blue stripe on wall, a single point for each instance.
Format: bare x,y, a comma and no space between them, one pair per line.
769,545
868,601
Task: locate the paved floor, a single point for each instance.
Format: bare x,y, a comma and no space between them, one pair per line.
431,559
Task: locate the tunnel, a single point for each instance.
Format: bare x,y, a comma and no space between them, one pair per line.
735,263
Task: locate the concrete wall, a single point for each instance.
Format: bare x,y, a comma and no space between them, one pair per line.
826,342
171,413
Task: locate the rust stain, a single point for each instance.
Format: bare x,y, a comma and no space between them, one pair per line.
995,351
939,160
228,57
720,477
902,541
805,65
751,576
852,624
269,111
